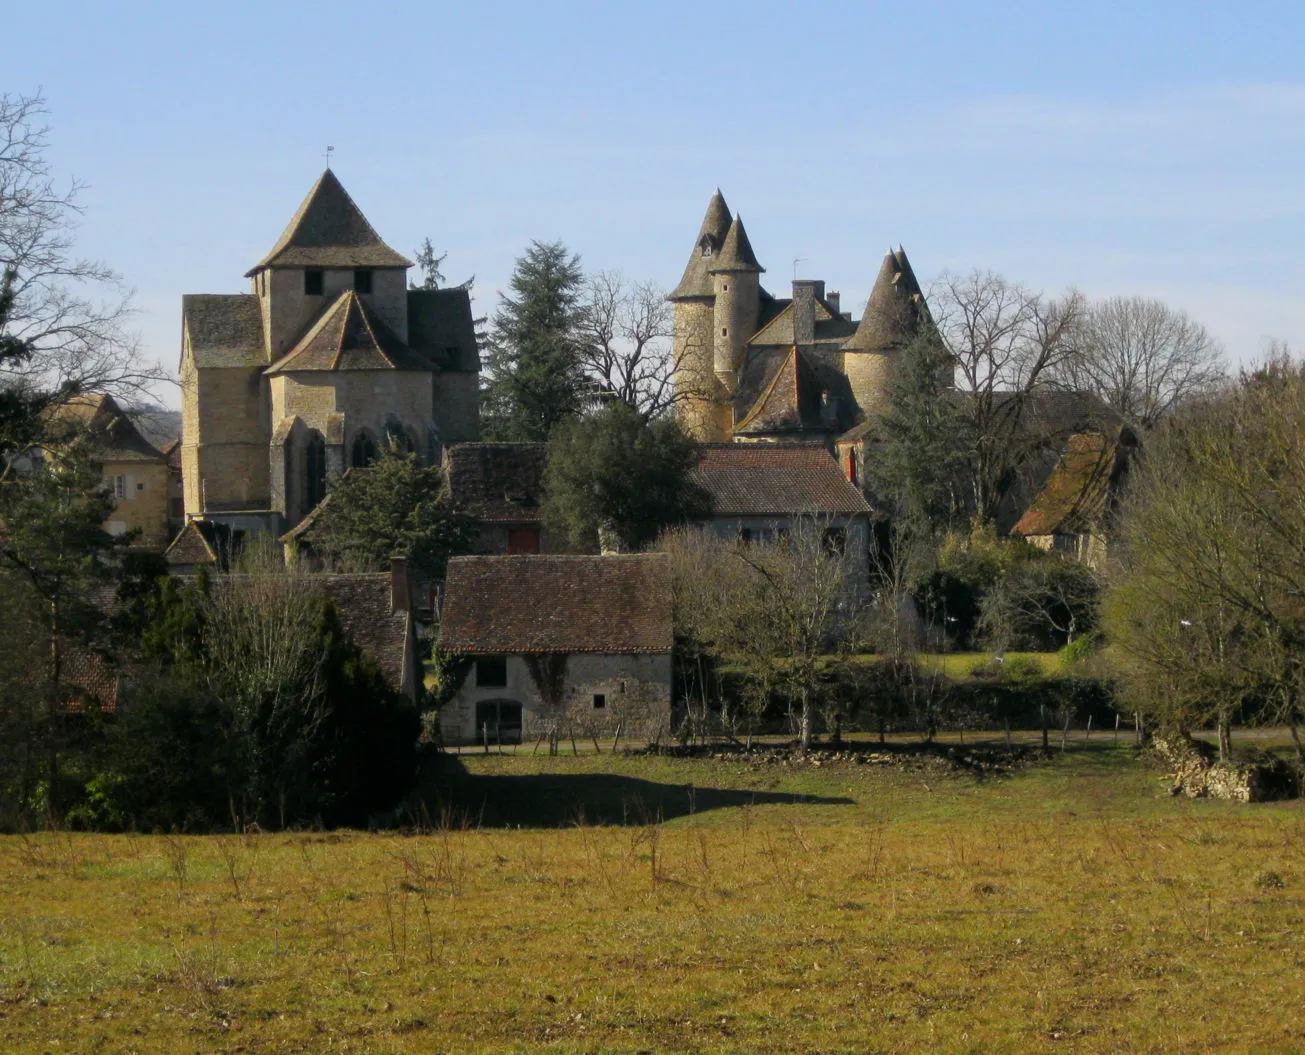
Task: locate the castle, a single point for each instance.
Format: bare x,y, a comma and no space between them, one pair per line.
329,356
754,367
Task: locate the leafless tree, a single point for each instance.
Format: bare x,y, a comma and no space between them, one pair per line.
1006,341
628,351
72,312
1142,358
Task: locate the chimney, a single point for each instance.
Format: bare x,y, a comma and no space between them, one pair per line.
833,299
805,293
400,585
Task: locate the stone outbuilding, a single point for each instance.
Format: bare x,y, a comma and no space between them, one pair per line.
558,645
327,358
501,485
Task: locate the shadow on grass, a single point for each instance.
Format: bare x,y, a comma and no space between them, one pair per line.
560,800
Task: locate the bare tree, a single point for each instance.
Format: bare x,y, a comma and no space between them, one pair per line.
628,351
1142,358
72,313
1005,341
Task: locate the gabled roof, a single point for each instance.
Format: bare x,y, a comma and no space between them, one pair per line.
790,402
114,434
329,230
224,329
775,479
348,336
1077,495
530,604
893,310
200,542
499,483
365,604
696,281
441,328
736,254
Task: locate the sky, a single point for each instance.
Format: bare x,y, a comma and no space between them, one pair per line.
1147,148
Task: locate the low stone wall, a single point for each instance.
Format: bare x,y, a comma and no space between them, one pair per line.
1197,774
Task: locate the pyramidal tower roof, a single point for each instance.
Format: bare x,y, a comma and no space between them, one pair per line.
736,254
711,237
893,310
329,230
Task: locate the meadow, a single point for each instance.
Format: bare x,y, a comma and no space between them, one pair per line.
650,904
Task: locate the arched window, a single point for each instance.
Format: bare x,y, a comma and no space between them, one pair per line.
314,470
363,452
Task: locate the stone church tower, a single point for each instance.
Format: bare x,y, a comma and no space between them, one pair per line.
327,358
753,367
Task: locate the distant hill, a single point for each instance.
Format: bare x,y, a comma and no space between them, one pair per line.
160,427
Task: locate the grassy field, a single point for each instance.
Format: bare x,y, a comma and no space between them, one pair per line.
1068,906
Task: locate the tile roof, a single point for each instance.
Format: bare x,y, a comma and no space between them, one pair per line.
115,435
349,336
1077,494
696,281
441,327
523,604
364,604
498,482
328,230
736,254
200,542
224,329
776,479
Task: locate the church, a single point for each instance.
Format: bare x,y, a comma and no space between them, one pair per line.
329,356
755,367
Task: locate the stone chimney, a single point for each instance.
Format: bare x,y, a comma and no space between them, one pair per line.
805,293
834,299
400,585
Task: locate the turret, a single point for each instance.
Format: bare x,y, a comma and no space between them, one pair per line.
893,313
736,280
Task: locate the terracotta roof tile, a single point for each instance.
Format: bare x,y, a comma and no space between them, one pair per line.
498,482
781,479
520,604
364,604
1077,494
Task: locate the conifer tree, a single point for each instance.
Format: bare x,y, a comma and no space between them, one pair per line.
535,375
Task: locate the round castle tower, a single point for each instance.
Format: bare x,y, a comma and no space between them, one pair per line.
893,313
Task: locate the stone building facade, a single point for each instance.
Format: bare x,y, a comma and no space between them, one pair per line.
328,357
561,645
756,368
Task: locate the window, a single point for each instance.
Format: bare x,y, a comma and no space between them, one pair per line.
120,487
491,672
363,452
314,471
313,283
362,281
600,701
745,535
177,508
724,331
835,541
140,487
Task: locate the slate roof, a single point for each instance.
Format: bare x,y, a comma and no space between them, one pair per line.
441,327
225,329
524,604
775,479
364,604
736,254
893,310
1078,493
349,336
790,402
115,435
499,483
696,281
329,231
200,542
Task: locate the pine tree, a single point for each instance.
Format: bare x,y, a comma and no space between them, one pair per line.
535,376
19,408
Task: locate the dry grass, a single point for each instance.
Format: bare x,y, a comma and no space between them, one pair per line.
1069,907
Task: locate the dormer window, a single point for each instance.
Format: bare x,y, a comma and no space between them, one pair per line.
706,247
362,281
313,283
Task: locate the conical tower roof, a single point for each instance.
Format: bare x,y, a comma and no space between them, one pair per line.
736,254
711,236
329,230
893,310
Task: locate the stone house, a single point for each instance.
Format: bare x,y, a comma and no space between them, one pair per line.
501,485
574,645
135,471
329,356
760,492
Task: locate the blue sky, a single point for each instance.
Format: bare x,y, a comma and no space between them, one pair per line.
1152,148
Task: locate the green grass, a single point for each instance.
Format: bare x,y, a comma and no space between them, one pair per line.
1071,906
960,665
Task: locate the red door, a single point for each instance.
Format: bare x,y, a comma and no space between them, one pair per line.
523,540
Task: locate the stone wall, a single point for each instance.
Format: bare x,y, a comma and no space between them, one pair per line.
224,439
704,415
636,691
143,504
870,377
457,407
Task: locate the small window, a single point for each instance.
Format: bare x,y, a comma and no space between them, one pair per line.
313,283
362,281
725,288
835,541
724,331
600,701
140,487
119,487
491,672
745,535
623,688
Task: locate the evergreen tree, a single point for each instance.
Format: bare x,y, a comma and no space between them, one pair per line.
19,407
919,469
535,375
394,507
614,471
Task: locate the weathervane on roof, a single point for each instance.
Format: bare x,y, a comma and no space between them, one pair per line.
328,156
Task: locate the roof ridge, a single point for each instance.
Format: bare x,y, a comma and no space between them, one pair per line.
760,403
